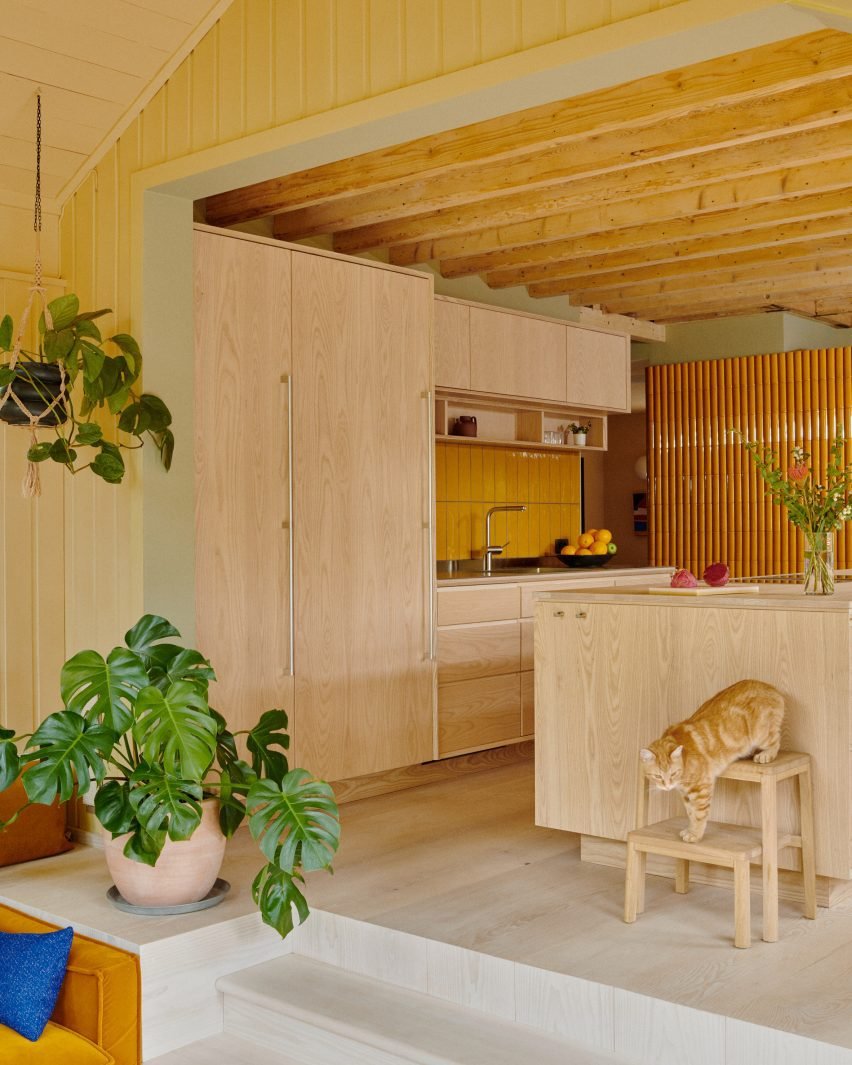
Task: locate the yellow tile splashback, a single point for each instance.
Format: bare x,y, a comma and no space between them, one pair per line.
470,479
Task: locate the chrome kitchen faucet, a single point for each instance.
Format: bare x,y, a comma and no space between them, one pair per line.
494,549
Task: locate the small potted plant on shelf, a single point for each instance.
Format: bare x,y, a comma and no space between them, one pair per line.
580,431
75,373
169,782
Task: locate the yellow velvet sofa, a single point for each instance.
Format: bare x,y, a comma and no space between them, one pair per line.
96,1020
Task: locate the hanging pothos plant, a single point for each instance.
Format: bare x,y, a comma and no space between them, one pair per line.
75,373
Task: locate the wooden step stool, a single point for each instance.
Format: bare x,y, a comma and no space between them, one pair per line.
731,846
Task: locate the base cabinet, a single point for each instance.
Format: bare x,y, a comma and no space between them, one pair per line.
486,685
295,346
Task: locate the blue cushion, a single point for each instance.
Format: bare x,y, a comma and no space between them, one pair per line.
32,968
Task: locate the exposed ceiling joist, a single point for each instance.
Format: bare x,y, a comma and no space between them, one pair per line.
724,186
654,101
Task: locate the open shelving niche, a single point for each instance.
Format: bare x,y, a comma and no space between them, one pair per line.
509,422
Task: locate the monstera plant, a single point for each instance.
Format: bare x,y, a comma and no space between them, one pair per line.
76,373
138,728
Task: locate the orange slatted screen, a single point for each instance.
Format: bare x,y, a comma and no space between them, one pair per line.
707,502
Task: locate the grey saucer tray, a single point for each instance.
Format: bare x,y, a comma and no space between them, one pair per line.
215,895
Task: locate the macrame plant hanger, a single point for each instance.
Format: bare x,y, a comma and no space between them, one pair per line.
31,485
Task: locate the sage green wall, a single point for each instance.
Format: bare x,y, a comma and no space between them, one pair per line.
755,334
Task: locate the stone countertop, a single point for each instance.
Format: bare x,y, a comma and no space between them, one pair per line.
767,597
655,575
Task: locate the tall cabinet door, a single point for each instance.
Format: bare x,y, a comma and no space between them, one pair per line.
364,675
242,461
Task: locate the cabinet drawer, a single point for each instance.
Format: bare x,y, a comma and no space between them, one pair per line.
531,592
461,606
475,713
528,703
469,651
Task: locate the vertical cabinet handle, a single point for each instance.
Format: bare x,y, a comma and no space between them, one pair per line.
431,564
288,381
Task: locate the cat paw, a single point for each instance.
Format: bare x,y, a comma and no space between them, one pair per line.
688,836
762,757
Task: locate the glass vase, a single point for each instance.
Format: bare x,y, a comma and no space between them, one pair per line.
819,563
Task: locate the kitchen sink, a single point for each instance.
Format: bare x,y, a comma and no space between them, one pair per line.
533,567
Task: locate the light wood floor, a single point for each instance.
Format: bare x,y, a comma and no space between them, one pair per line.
461,862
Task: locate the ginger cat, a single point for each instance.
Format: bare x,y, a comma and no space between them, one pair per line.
738,722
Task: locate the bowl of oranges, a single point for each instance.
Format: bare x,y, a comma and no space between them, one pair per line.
594,547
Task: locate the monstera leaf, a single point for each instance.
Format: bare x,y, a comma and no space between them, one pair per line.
265,735
276,895
100,689
163,803
68,750
113,808
295,822
174,728
147,632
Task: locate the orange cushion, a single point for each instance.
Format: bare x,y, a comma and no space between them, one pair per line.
100,996
38,832
57,1046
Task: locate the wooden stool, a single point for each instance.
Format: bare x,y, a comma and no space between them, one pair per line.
732,846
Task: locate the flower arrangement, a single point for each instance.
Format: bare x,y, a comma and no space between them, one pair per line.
816,505
574,427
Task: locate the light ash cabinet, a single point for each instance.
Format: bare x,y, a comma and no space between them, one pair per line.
486,688
483,349
452,344
279,332
598,369
243,365
517,356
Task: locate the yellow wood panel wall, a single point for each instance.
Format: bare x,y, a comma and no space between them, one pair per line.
265,63
469,479
32,590
707,501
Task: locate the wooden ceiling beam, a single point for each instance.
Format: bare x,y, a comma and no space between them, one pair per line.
807,285
782,242
785,66
708,280
809,310
603,229
762,259
791,303
580,182
809,162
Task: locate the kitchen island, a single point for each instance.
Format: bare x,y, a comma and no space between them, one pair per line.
615,667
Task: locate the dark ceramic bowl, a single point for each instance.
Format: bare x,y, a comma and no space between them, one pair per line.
579,561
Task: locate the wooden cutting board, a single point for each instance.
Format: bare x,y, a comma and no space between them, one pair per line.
705,589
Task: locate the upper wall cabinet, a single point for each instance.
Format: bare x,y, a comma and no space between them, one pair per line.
522,356
598,369
517,356
452,344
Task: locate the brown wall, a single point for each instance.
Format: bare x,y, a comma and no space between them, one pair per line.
627,443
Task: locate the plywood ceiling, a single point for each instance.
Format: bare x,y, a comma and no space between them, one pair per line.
94,61
721,188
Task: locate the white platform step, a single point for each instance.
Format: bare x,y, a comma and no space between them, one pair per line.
223,1050
321,1015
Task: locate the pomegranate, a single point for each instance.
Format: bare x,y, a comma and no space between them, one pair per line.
717,575
684,579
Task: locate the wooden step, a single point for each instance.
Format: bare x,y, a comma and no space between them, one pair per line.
327,1016
223,1050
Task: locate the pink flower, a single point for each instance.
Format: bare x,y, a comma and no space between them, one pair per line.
798,473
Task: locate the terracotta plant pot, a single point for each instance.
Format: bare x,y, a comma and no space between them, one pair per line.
185,871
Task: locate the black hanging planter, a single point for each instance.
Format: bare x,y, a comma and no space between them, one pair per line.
36,387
